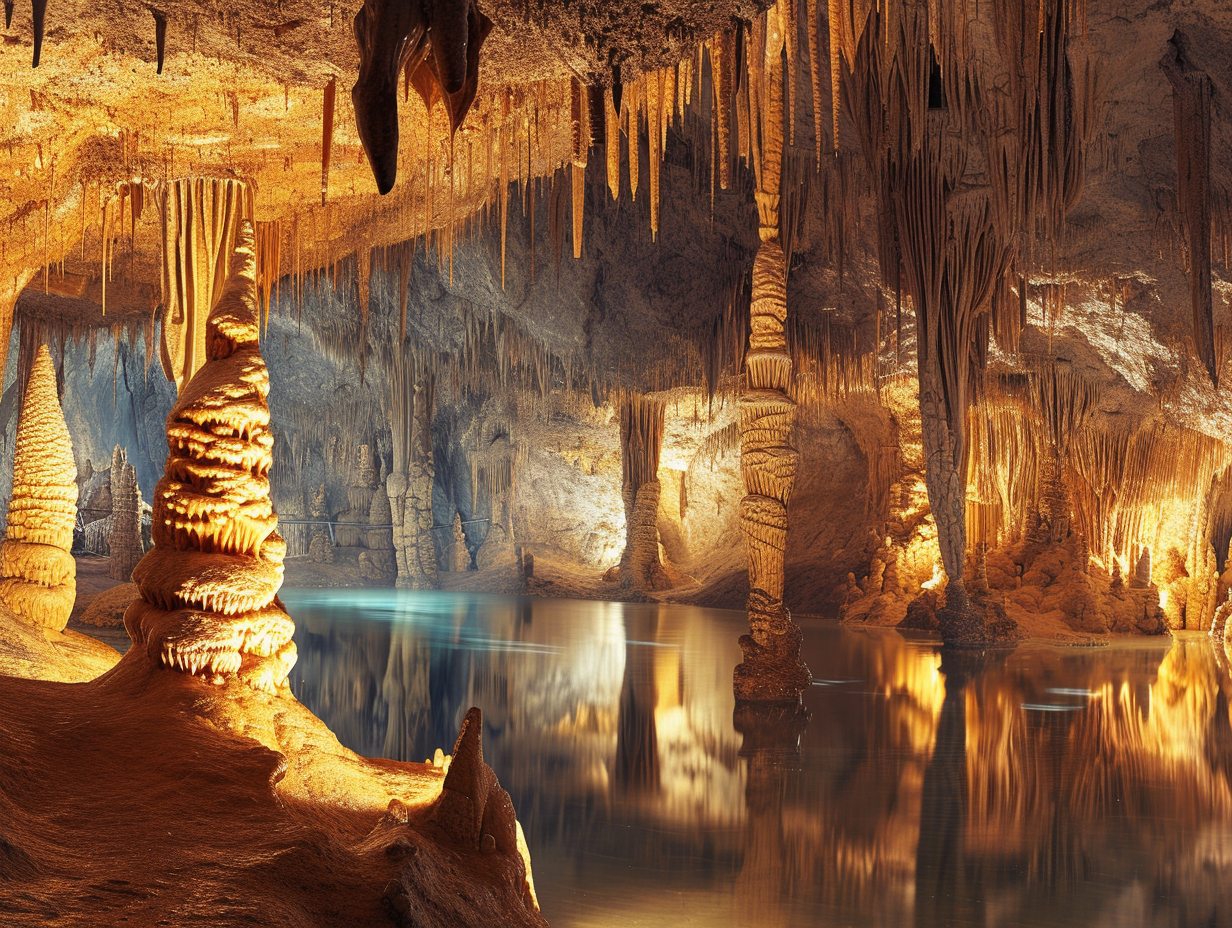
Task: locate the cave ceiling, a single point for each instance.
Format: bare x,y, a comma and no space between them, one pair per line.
241,94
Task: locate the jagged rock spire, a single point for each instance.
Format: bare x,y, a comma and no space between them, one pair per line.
39,573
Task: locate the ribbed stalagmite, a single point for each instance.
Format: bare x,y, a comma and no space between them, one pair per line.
124,526
771,669
39,575
208,586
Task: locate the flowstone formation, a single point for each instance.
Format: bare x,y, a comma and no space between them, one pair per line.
771,670
208,586
39,573
124,526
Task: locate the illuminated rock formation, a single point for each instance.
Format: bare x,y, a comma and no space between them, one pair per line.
39,574
459,556
124,528
771,669
208,586
641,439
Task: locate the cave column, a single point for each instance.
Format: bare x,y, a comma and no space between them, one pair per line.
410,483
641,440
771,669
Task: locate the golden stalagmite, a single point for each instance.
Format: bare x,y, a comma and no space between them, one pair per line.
771,669
199,219
208,586
39,574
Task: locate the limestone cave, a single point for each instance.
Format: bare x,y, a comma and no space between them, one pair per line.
509,463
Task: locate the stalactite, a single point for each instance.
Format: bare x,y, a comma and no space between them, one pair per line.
723,70
40,16
654,119
160,37
1191,99
200,218
612,146
579,127
835,22
633,117
327,135
8,13
269,263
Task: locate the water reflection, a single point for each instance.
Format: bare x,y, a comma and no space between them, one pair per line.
1043,786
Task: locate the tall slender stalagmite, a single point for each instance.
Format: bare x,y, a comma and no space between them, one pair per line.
39,574
641,440
200,217
771,669
209,585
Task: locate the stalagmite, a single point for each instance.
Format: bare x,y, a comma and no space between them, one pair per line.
124,529
209,585
1191,101
39,574
771,670
200,218
641,440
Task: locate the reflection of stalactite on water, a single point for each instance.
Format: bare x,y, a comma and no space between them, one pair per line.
637,741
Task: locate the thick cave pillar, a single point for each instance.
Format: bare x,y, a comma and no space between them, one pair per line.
771,669
410,482
641,440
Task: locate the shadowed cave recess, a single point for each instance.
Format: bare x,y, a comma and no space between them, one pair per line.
787,346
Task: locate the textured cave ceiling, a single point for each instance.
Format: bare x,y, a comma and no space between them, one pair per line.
241,94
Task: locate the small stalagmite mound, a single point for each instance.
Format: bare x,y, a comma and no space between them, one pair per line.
208,586
39,575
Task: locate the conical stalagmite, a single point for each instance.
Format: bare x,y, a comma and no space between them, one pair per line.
209,585
771,670
39,574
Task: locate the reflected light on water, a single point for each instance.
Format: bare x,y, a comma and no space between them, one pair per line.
1079,786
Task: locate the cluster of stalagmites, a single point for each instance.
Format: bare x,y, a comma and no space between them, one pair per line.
1040,583
208,586
39,574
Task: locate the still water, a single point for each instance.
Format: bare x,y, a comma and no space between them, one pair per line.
1039,787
